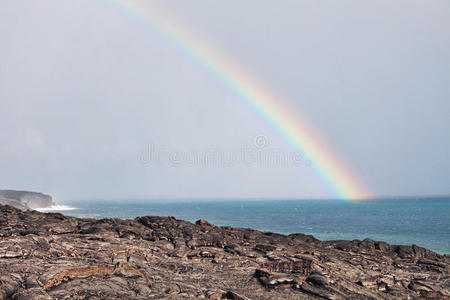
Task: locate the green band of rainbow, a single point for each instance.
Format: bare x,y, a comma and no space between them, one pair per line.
328,166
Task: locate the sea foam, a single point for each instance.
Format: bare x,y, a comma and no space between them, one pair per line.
56,208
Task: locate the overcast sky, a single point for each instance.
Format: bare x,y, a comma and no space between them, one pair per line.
87,93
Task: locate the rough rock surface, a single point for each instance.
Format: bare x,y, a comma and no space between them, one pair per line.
52,256
25,200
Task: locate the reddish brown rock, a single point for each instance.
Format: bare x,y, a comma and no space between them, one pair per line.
52,256
203,223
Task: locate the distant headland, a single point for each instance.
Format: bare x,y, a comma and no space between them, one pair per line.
25,200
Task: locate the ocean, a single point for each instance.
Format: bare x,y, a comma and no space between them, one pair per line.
421,221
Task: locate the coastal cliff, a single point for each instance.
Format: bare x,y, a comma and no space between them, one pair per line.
25,200
52,256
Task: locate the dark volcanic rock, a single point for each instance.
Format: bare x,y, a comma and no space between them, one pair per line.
52,256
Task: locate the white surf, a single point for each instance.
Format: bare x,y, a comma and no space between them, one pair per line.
56,208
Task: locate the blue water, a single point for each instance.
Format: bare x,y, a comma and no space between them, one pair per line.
424,222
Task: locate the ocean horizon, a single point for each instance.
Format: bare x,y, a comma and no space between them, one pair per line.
423,221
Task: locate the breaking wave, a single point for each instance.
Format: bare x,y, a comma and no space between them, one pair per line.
56,208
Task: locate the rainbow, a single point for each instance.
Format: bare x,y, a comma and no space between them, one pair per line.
332,170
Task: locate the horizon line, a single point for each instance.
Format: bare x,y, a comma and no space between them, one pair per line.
253,199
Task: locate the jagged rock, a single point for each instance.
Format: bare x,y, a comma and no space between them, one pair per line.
318,279
322,293
52,256
203,223
218,295
32,294
368,282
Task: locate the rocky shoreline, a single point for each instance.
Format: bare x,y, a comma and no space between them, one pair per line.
52,256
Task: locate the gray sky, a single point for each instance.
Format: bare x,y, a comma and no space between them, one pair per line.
85,89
